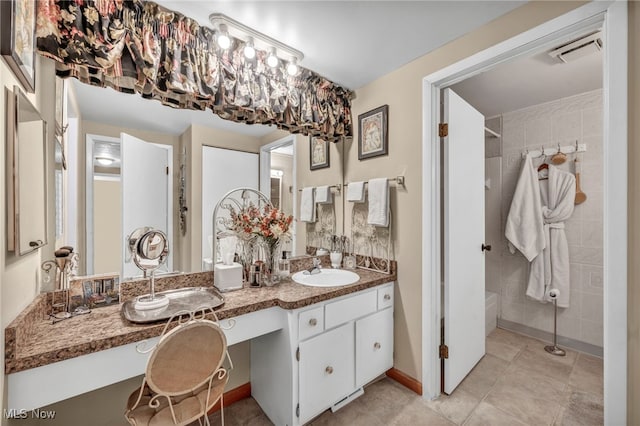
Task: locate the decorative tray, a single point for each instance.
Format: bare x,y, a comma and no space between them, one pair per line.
182,299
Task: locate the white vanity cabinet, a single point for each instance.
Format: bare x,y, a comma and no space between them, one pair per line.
333,348
326,370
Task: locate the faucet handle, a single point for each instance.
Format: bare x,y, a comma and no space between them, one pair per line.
316,262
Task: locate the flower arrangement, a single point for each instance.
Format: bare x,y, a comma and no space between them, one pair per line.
269,223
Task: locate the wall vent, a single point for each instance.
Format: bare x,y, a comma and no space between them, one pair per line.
578,48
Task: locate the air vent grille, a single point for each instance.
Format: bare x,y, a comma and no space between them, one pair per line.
578,48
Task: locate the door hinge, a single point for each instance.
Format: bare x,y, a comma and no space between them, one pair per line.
298,410
444,351
298,354
167,170
443,130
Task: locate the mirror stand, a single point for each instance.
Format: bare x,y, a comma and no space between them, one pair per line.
149,249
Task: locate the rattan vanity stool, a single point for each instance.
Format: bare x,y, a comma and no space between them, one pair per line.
184,377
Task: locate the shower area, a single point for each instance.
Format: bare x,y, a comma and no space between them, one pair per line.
563,122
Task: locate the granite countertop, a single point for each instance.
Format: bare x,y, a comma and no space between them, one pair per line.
32,341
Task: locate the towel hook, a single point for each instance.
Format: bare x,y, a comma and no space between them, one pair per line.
542,152
558,148
576,146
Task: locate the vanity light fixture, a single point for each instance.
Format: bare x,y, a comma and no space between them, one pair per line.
249,49
222,38
292,68
272,59
255,40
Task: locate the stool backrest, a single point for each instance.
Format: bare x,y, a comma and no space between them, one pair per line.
186,357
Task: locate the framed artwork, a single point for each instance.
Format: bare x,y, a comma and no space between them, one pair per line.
17,40
318,153
373,133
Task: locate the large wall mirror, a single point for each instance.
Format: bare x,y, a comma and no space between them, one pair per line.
27,175
199,140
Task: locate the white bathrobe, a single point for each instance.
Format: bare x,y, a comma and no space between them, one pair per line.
535,226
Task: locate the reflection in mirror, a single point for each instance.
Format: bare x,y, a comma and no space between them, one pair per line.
149,249
94,210
26,157
280,181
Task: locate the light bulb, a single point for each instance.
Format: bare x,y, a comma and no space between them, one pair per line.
249,50
105,161
292,68
272,59
223,39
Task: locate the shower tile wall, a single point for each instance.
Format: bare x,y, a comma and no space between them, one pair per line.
561,121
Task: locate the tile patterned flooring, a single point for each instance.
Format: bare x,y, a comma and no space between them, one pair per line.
516,383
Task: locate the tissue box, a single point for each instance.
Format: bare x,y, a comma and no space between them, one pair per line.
227,277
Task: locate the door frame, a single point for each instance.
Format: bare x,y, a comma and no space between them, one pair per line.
90,141
265,175
612,16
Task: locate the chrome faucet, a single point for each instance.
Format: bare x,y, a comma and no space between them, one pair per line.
315,269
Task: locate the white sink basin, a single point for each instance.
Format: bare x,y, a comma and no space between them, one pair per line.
326,278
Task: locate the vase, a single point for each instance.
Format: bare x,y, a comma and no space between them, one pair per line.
269,253
245,253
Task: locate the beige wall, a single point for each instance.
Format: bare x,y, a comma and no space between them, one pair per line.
402,91
633,302
107,226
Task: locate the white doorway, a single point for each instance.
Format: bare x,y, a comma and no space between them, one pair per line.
613,18
124,192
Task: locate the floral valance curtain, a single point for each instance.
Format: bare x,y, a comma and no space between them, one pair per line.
135,46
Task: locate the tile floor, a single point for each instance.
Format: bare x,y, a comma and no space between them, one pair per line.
516,383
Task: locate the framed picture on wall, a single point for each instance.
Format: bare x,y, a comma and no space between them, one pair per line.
17,40
373,133
318,153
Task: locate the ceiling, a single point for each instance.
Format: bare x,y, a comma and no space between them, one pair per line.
530,81
349,42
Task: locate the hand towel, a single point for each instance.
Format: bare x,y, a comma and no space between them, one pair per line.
324,195
379,202
355,192
307,206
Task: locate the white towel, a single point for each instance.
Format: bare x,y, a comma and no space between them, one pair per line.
525,227
307,206
355,192
379,202
324,195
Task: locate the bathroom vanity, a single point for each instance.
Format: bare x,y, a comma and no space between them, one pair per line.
311,346
327,352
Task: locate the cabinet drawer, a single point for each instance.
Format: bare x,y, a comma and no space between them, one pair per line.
385,297
310,323
348,309
374,346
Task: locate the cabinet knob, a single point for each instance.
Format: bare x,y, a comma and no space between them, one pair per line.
313,322
329,370
387,297
376,345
